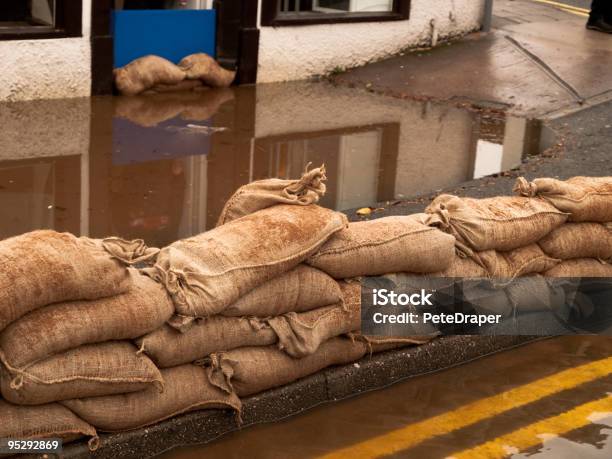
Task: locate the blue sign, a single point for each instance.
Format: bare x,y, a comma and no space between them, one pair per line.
172,34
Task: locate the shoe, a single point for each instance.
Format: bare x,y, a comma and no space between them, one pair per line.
600,25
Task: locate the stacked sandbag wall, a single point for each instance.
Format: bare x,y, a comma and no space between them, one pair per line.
112,335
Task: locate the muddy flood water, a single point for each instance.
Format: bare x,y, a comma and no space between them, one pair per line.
451,413
161,167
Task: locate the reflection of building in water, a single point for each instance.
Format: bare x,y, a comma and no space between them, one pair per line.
162,167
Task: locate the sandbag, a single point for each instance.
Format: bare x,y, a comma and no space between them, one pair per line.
462,266
206,273
250,370
144,73
262,194
91,370
500,223
44,267
298,334
585,199
514,263
580,267
579,240
186,389
168,347
387,343
185,85
301,289
62,326
385,245
201,66
44,421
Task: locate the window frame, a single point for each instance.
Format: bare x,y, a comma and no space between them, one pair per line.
68,23
272,17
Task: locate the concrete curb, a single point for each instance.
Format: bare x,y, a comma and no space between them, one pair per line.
332,384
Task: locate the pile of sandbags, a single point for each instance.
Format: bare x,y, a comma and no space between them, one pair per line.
584,244
272,294
154,74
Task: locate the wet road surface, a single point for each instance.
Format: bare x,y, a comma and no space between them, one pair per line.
550,399
161,167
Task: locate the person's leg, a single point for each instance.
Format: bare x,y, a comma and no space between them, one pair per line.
600,18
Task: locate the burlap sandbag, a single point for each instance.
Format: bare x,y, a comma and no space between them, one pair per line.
201,66
62,326
298,334
580,267
186,389
386,343
181,86
144,73
514,263
91,370
579,240
44,267
249,370
168,347
462,266
585,199
301,289
385,245
265,193
44,421
206,273
500,223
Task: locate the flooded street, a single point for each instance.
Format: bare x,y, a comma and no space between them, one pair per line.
446,415
161,167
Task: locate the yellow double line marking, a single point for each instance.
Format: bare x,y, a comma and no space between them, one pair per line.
568,8
466,415
528,436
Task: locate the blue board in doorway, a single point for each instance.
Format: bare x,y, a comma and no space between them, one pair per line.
172,34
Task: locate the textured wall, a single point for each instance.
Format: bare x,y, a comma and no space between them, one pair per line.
47,69
293,53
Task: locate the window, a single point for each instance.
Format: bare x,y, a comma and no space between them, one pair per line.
26,19
303,12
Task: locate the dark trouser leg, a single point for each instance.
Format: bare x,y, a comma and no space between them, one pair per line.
601,9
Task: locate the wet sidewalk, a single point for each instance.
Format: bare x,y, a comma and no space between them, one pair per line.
539,61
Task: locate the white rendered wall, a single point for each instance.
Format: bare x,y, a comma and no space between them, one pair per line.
47,69
299,52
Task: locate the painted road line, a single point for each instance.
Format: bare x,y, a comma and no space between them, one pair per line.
530,435
568,8
466,415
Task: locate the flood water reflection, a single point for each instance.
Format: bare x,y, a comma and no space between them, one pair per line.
160,167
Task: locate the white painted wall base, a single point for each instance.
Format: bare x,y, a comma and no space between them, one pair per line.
300,52
47,69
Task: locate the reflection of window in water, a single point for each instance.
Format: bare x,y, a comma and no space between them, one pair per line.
33,13
352,160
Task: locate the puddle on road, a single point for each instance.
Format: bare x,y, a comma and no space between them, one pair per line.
342,424
161,167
